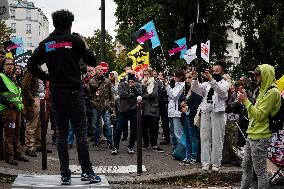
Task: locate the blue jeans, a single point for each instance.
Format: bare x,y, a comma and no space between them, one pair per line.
191,133
70,139
107,125
174,124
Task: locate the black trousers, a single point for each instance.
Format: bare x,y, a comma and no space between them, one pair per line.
150,129
68,104
163,110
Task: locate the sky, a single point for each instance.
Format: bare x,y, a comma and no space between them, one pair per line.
86,12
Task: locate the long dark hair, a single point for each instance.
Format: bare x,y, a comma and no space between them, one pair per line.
179,74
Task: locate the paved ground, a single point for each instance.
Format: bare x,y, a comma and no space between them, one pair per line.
119,169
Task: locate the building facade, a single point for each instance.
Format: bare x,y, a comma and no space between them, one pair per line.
28,22
235,42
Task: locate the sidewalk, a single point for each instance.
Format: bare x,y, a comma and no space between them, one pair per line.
119,169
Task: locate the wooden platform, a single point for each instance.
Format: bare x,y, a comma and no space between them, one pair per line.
53,181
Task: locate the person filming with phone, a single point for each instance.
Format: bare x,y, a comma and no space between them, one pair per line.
214,91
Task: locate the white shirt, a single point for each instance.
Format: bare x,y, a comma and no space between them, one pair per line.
174,94
219,97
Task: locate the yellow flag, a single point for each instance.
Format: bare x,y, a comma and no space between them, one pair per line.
280,83
139,56
121,76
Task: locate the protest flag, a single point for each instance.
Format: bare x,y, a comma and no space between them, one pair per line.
147,36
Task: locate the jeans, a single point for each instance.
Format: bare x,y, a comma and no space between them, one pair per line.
255,157
96,115
68,104
191,133
212,133
70,135
175,131
122,123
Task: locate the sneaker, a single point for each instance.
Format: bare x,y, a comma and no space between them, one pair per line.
192,161
31,153
12,162
205,167
114,151
21,158
109,146
145,147
130,150
164,142
215,168
65,179
96,145
92,177
157,149
185,160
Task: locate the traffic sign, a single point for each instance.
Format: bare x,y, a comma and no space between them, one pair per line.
105,66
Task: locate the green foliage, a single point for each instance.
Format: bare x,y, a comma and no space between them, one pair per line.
263,30
173,19
5,33
94,43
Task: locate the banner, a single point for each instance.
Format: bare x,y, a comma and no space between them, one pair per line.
190,54
140,58
22,59
19,44
4,10
179,48
147,36
10,47
205,51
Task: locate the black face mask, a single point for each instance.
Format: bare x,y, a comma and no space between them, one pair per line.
217,77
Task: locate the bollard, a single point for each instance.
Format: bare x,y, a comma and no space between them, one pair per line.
139,135
1,140
43,131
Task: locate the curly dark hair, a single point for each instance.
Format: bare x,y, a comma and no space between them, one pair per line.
62,19
221,63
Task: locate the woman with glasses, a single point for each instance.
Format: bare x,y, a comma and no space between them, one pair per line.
189,104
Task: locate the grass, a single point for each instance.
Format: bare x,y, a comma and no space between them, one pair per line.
7,178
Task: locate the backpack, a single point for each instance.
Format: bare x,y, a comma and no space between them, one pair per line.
276,122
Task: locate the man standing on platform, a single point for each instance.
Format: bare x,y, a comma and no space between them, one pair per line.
61,52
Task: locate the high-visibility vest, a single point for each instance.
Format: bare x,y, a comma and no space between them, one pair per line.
13,95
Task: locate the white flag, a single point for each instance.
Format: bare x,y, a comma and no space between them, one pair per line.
4,9
190,54
205,51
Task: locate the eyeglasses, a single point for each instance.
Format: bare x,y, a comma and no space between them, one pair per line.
188,77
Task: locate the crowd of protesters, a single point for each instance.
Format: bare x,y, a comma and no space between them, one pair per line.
105,105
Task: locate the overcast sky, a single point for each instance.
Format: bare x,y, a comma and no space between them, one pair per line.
87,14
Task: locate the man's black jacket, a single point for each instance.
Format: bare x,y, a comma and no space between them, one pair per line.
61,52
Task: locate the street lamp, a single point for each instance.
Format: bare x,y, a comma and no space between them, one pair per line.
103,49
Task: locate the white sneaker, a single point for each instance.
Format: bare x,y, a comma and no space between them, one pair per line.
130,150
205,167
215,168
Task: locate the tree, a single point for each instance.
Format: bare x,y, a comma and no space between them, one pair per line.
263,31
5,33
173,19
95,46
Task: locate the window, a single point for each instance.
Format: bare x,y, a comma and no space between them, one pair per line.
12,13
237,45
29,42
236,60
29,28
13,27
28,15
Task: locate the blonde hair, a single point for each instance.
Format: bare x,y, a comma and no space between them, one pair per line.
150,70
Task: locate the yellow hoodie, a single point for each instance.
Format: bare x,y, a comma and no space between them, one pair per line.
265,105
